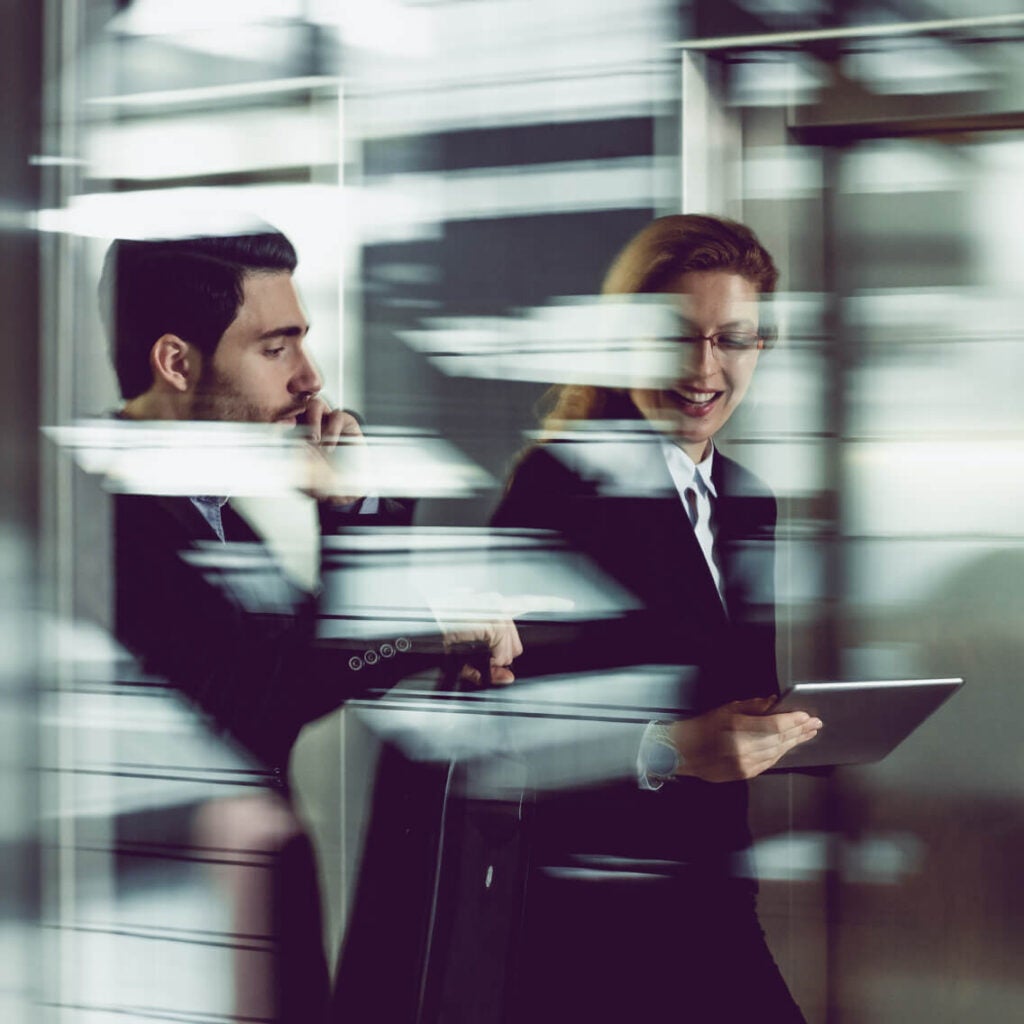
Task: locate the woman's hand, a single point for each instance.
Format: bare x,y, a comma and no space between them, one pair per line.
738,740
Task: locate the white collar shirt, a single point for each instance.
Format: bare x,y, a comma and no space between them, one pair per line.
696,479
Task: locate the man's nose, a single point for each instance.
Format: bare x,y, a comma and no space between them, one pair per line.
306,377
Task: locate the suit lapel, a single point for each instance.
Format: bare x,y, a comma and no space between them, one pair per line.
673,556
744,541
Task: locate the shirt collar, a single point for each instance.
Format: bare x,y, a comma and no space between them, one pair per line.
211,499
686,472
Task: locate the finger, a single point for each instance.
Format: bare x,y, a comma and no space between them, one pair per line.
331,428
516,640
314,413
759,757
788,745
503,638
809,731
350,426
501,675
747,747
342,425
804,729
752,705
468,674
772,724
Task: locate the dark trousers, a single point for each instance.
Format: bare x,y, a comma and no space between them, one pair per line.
630,948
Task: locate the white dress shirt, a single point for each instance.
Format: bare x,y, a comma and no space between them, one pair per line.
696,478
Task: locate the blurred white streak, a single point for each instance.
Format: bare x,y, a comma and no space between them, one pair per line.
792,468
238,30
917,67
940,315
459,604
382,26
890,166
917,489
195,144
219,458
499,62
253,573
399,464
937,314
876,31
127,729
187,458
620,459
772,79
165,99
562,732
396,205
945,364
150,731
56,161
401,576
165,213
586,340
156,17
880,859
775,172
558,97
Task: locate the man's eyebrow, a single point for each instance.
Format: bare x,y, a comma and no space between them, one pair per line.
287,331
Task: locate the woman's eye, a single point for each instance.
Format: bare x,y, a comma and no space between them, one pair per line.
737,340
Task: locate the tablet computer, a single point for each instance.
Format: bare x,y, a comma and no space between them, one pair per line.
861,721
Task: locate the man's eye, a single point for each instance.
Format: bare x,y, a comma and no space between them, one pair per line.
273,353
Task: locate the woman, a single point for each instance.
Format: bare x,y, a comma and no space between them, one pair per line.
639,899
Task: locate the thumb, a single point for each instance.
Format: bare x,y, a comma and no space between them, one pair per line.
752,705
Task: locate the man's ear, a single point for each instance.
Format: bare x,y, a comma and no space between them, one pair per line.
174,362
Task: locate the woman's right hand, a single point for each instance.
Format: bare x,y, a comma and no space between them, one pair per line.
738,740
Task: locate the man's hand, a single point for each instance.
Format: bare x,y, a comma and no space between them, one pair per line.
503,639
327,428
738,740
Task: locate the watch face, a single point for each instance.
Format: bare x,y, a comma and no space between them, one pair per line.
660,759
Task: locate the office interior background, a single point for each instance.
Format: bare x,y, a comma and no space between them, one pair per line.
454,174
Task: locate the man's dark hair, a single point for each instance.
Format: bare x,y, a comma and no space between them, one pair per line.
189,287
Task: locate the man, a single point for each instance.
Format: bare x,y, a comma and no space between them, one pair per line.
212,329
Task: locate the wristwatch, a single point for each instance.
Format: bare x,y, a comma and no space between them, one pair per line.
659,758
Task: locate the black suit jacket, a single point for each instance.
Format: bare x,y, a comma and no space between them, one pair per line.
642,538
226,626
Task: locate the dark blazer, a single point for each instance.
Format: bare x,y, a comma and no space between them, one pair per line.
643,540
236,636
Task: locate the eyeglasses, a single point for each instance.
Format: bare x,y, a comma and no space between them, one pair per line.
726,344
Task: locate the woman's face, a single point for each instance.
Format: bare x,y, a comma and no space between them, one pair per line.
711,382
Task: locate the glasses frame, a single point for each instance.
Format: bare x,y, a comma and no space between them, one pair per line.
761,341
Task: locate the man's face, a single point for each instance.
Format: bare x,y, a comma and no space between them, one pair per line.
260,372
710,384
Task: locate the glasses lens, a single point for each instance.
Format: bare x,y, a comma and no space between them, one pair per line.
733,342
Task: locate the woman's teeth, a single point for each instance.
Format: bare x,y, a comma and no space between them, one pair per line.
697,397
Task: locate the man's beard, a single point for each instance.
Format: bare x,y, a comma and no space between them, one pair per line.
216,398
